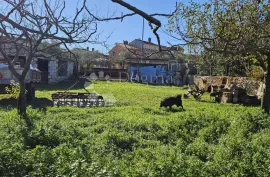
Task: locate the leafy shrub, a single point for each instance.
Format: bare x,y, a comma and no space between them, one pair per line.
256,73
14,89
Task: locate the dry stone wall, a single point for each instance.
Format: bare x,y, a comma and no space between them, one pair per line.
252,87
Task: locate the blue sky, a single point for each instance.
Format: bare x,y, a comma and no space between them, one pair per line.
131,27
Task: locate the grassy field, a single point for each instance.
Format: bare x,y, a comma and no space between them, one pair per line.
134,137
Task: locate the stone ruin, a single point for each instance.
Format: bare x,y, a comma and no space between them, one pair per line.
235,89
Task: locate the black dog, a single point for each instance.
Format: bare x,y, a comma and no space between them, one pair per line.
170,101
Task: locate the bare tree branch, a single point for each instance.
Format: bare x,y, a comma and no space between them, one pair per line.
23,29
149,17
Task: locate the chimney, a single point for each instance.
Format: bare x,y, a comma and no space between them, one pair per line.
93,49
149,40
126,42
87,48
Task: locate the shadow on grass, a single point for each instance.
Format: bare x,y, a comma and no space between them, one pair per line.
37,103
62,86
251,103
208,101
153,111
59,86
174,109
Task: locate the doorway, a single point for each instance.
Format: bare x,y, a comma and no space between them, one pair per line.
43,66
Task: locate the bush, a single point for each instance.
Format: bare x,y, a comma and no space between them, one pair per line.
14,89
256,73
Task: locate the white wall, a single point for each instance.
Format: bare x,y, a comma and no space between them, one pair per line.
69,72
53,77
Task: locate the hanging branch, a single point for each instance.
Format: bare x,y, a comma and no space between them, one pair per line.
149,17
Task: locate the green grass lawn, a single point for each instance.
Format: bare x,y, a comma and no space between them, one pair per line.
134,137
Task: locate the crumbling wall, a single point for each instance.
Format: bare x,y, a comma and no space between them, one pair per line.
251,86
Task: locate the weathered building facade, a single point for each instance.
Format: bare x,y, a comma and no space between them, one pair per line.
54,70
146,64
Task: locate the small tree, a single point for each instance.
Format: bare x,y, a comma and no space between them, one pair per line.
86,58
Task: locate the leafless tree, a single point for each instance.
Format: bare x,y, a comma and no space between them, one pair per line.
24,25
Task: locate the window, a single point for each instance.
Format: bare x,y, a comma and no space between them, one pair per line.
62,68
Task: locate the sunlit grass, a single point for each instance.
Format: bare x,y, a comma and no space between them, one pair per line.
135,137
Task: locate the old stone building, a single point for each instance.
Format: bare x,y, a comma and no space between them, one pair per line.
54,70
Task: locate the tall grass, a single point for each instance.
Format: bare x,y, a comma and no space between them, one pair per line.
135,137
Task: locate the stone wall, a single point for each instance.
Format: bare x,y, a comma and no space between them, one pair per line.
53,68
69,72
53,72
251,86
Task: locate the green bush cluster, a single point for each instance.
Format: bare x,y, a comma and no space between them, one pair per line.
13,89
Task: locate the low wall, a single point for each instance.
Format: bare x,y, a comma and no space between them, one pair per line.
252,87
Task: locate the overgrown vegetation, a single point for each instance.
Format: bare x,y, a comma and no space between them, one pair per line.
14,89
231,32
135,137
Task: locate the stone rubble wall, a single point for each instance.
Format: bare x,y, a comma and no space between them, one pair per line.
252,87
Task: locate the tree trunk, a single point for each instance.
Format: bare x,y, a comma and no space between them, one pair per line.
266,96
87,66
21,105
227,69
